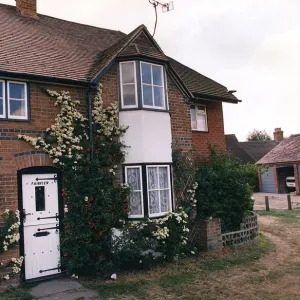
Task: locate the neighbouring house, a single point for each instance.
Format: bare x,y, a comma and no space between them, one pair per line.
251,151
162,101
282,166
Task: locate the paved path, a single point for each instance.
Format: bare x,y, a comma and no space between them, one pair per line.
276,201
62,289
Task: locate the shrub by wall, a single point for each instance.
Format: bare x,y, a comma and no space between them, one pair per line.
223,190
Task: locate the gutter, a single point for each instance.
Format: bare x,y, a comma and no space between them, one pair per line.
200,96
48,79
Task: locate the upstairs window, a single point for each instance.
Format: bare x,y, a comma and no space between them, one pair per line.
2,99
142,85
199,118
13,100
153,92
128,84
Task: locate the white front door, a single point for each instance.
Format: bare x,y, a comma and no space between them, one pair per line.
41,225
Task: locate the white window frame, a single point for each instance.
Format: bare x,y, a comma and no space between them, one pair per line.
25,99
160,214
141,191
135,85
204,114
3,99
153,85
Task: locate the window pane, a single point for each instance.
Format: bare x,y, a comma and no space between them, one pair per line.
17,108
135,203
165,201
152,178
16,91
158,96
146,73
193,118
147,95
133,178
157,75
201,109
129,94
1,89
163,178
201,122
154,202
1,106
128,72
40,198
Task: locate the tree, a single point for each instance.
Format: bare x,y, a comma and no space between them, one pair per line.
258,135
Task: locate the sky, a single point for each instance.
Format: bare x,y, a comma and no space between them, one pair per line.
252,46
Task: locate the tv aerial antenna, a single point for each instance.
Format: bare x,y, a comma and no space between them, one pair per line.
165,8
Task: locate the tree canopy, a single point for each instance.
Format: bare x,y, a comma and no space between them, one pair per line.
258,135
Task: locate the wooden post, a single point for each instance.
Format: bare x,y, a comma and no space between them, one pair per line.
267,203
289,202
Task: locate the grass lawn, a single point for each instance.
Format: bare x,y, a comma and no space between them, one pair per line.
17,293
183,280
291,217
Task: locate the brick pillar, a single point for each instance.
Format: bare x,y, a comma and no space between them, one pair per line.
207,234
296,178
275,178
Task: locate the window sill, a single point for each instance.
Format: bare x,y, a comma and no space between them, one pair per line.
144,108
200,131
14,120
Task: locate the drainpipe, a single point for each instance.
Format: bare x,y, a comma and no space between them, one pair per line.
90,123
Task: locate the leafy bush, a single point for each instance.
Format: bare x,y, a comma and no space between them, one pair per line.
251,173
223,190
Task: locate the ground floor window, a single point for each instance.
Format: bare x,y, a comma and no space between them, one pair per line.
151,192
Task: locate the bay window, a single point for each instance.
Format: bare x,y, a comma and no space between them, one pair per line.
133,177
145,91
154,198
13,100
152,86
128,84
159,190
199,118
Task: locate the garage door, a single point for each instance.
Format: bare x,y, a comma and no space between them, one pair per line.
268,182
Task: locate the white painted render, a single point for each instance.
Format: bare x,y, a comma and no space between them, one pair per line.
148,136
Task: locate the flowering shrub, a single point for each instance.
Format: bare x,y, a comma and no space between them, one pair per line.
9,232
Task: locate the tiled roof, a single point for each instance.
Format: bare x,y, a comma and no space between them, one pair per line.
251,151
286,152
234,149
198,83
66,50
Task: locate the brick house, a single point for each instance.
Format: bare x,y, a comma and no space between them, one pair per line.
161,100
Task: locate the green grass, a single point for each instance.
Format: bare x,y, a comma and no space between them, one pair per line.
177,280
16,293
291,217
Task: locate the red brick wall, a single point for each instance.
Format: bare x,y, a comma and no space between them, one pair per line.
215,135
16,154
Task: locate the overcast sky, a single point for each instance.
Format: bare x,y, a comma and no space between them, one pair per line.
252,46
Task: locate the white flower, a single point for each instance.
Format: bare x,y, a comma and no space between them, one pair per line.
86,199
13,259
6,277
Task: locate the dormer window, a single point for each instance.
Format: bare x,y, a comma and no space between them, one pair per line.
142,86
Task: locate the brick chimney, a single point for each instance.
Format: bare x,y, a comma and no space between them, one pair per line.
278,134
27,8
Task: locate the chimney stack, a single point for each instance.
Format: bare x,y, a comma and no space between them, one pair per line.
27,8
278,134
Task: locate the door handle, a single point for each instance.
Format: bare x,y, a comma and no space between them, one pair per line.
24,214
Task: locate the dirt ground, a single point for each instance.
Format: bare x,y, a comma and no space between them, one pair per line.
276,201
275,276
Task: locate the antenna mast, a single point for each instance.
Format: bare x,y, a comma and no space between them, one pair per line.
165,8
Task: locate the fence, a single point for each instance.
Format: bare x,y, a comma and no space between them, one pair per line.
246,236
